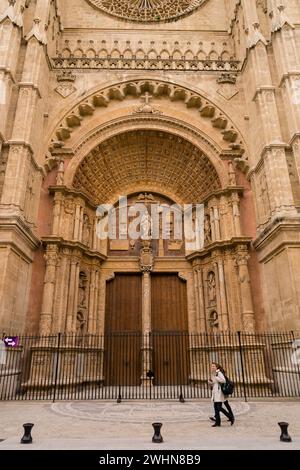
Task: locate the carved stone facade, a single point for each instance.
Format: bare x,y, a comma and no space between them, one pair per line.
170,101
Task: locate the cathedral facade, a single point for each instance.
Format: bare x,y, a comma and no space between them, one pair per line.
166,102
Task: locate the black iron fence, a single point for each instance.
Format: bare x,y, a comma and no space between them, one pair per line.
168,365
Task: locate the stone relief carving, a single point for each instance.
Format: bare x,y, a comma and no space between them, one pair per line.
227,88
69,206
30,196
263,195
146,107
66,84
146,256
207,230
86,229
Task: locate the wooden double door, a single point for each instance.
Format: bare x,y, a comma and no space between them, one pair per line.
124,338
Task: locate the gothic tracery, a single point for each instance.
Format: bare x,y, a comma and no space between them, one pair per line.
147,10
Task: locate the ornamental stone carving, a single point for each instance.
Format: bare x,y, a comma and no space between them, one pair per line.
146,256
144,11
211,285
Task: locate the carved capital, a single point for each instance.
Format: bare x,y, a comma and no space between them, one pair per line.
242,258
51,255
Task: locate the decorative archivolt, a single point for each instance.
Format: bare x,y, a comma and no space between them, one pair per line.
146,157
102,99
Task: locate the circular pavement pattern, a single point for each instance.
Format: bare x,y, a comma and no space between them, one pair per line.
142,412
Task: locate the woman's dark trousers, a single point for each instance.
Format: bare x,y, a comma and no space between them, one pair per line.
218,409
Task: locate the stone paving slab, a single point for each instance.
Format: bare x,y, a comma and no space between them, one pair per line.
108,425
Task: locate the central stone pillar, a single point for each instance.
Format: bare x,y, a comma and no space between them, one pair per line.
146,266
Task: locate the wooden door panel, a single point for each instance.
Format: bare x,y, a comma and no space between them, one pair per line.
123,328
169,329
123,359
168,303
124,304
171,358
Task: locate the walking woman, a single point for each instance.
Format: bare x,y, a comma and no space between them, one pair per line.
217,397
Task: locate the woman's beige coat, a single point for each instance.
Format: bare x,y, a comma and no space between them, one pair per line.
217,394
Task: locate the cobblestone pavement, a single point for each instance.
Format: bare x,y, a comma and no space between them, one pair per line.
128,425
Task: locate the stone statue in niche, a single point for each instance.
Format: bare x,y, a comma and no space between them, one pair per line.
207,230
211,283
231,174
60,174
82,290
29,196
86,229
80,323
213,320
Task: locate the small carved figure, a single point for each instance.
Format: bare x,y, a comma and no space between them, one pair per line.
211,281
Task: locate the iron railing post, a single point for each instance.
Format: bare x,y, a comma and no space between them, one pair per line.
297,363
56,365
242,364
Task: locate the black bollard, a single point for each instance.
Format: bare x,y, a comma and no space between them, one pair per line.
119,398
27,438
285,437
157,438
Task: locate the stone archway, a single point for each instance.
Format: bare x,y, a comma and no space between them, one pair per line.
145,156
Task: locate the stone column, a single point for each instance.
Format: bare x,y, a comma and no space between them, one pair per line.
200,306
248,319
51,257
223,296
81,223
212,223
95,237
96,299
76,292
91,312
146,322
146,308
72,295
196,289
217,223
62,288
77,220
93,300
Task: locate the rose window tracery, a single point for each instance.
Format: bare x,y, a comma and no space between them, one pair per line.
147,10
